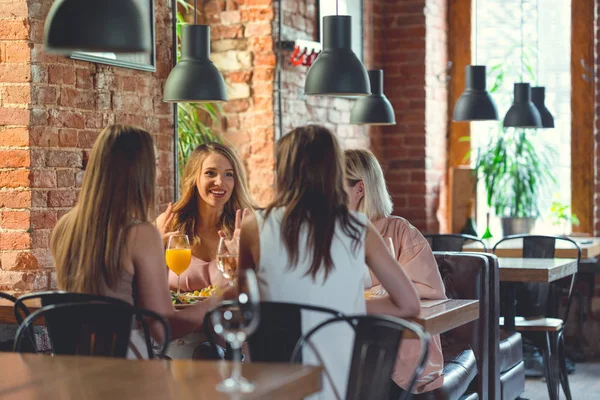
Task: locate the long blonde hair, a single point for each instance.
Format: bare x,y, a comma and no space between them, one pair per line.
118,188
362,165
185,211
310,185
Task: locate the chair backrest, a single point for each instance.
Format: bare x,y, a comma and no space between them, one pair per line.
467,276
278,330
376,343
58,322
451,241
7,344
535,299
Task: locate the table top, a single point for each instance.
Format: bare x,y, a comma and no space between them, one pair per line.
446,316
30,376
590,247
536,269
435,319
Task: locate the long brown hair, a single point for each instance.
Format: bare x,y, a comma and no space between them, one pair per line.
310,185
118,188
185,211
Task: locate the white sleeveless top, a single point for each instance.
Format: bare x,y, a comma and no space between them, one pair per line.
343,290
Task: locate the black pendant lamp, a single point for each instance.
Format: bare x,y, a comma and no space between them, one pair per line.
114,26
475,103
523,113
374,109
337,71
195,79
538,97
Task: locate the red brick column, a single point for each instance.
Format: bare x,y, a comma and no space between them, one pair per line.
51,111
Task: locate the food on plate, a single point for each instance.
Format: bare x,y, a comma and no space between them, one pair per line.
181,299
206,292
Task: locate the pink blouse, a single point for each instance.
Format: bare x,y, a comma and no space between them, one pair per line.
199,275
415,256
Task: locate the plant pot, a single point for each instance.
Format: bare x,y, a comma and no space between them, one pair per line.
514,226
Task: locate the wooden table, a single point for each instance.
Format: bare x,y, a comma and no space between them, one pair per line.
446,316
29,376
545,270
590,247
437,319
536,269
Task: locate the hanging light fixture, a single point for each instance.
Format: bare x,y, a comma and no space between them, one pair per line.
114,26
374,109
337,71
195,79
538,97
523,113
475,103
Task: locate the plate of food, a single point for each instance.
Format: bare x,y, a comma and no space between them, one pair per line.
182,300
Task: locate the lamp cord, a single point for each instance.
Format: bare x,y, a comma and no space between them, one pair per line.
475,32
195,11
522,41
336,7
537,42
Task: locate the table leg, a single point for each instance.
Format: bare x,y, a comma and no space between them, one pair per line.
509,303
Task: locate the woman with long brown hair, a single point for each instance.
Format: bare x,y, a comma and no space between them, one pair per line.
106,244
369,195
307,247
214,193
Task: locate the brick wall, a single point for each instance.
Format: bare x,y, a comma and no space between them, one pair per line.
51,110
411,48
242,49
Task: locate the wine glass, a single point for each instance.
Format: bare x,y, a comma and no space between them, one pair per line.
178,255
235,321
227,257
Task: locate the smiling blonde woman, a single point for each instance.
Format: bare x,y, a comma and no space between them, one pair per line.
368,194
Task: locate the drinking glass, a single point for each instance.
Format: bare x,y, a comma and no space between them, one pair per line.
235,321
178,255
227,258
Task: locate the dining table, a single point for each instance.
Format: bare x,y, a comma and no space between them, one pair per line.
437,316
34,376
590,248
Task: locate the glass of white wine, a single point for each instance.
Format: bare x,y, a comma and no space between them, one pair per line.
228,257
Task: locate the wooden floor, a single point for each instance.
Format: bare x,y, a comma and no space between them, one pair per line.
585,384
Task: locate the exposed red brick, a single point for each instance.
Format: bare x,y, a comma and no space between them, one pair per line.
17,29
15,199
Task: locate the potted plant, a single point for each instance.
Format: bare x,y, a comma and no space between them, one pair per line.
515,173
561,215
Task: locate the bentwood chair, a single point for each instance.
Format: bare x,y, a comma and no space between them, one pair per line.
7,345
451,241
537,307
376,343
82,324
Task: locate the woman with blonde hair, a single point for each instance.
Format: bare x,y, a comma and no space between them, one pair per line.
214,193
369,195
307,247
106,244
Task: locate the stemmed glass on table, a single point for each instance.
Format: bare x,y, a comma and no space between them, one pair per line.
178,255
227,258
235,321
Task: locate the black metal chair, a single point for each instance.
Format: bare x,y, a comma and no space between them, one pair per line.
451,241
376,343
278,330
537,304
7,345
63,323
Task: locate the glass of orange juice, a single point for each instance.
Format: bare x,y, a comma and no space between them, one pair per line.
178,255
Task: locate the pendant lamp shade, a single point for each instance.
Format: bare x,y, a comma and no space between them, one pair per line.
195,79
337,71
523,113
475,103
538,97
375,109
114,26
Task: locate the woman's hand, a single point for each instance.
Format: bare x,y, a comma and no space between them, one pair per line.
235,240
163,223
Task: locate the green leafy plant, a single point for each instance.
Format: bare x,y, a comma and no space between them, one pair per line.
560,213
514,166
195,120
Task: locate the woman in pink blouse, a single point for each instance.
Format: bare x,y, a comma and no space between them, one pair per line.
368,194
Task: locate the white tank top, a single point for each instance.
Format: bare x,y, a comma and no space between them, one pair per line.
343,290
